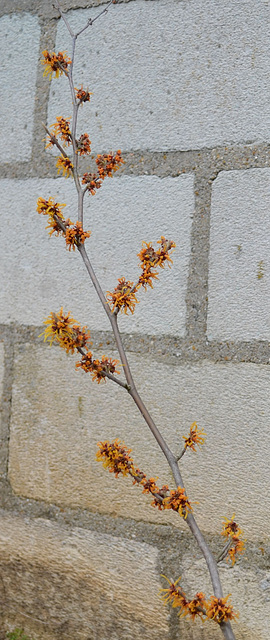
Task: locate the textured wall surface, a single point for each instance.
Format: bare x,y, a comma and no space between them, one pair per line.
182,87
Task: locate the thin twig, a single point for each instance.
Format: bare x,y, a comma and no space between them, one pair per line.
55,141
57,6
224,551
181,454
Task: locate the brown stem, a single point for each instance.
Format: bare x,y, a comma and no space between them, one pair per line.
224,551
55,141
172,460
181,454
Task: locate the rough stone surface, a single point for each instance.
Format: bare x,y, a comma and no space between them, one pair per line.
19,48
77,583
123,213
171,75
59,415
239,265
2,430
250,596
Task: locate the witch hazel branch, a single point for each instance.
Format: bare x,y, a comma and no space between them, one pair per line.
63,330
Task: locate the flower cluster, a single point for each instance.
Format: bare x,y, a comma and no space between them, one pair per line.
123,297
65,165
60,128
107,164
232,532
76,235
220,610
177,500
217,609
115,457
63,330
195,437
55,63
52,209
92,182
98,368
83,95
83,145
177,598
151,258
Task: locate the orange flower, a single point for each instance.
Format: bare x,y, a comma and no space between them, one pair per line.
219,610
115,457
83,95
55,63
98,368
230,527
194,438
151,258
75,236
238,547
60,128
146,278
195,607
123,297
177,598
107,163
92,181
178,501
232,531
64,164
83,145
50,207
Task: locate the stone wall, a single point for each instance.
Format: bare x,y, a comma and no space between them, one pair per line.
182,87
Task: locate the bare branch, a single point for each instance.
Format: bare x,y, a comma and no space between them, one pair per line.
224,551
57,6
181,454
55,141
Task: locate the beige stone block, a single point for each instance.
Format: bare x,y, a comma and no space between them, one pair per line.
62,583
58,416
125,212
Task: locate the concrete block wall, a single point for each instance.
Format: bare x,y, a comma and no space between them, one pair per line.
182,87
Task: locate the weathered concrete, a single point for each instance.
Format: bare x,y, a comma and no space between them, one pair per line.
171,75
48,276
19,47
53,441
3,434
239,266
77,583
213,58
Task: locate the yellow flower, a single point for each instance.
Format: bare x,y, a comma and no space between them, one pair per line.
50,207
55,63
62,329
64,164
60,128
195,437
